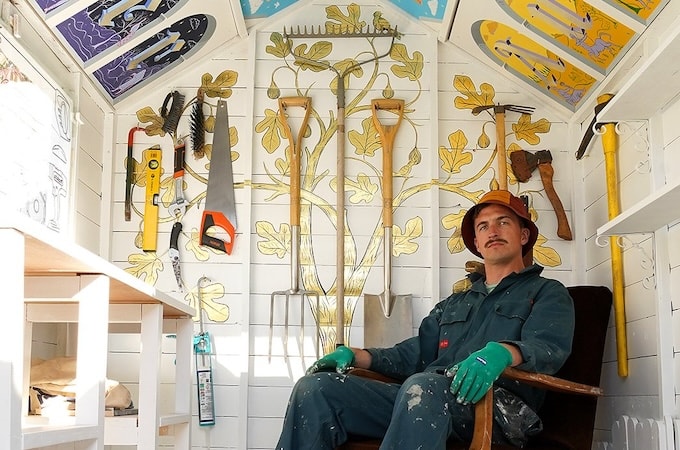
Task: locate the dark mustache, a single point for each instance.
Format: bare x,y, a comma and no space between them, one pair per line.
494,241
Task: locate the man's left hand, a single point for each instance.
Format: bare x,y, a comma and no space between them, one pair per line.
473,376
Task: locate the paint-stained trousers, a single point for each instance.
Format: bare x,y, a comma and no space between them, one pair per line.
326,407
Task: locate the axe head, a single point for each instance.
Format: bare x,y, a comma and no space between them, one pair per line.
523,163
544,156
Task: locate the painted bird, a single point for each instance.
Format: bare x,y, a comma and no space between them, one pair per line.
382,24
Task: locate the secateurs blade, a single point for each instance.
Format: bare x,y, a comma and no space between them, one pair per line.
220,203
173,252
177,209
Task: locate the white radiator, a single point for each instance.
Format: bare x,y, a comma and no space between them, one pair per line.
630,433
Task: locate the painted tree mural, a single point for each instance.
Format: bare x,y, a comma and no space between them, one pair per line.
313,66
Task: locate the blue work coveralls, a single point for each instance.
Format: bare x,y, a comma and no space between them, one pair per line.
533,313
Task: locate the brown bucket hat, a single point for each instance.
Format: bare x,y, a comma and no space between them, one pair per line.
499,197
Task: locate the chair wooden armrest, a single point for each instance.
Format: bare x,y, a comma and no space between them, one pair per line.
481,439
366,373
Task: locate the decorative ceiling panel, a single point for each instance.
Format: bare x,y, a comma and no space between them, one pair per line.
123,45
563,49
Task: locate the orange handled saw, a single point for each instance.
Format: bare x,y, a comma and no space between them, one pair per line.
220,203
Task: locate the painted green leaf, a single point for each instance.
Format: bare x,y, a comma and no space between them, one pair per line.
367,142
412,68
280,49
341,67
145,266
546,256
350,21
363,189
193,245
221,86
269,126
148,115
527,130
275,242
403,241
452,221
472,98
216,312
313,59
454,159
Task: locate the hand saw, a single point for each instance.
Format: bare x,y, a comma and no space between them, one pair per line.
153,184
220,203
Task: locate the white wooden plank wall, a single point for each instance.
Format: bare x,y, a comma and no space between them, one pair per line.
639,391
250,412
89,161
633,404
251,392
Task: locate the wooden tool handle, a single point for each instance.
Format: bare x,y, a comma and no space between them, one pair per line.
295,144
609,146
546,170
501,156
387,135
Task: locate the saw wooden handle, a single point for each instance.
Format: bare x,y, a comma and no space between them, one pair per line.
546,170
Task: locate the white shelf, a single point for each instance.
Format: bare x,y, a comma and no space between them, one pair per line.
124,430
655,211
653,85
174,419
48,278
47,435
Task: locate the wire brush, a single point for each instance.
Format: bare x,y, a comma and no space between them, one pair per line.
197,126
173,115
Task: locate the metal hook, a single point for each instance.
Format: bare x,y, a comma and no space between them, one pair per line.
602,241
643,167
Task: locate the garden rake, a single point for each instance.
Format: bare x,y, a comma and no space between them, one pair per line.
295,148
340,32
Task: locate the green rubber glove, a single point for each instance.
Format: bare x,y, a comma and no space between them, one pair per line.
473,376
341,360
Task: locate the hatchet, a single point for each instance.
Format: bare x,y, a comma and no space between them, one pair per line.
523,164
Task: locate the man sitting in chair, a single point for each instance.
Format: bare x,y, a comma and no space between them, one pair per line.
511,316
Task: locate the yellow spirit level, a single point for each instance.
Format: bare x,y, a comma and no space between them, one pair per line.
152,156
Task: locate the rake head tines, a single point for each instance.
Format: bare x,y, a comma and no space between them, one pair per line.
338,31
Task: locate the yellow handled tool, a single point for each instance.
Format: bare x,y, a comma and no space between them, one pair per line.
152,156
609,144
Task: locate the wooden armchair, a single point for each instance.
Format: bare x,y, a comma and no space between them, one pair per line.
568,419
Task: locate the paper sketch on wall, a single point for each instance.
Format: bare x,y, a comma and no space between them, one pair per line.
35,123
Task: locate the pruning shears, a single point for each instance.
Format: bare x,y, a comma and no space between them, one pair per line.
177,210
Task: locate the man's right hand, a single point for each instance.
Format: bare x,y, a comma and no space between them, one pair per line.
339,360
